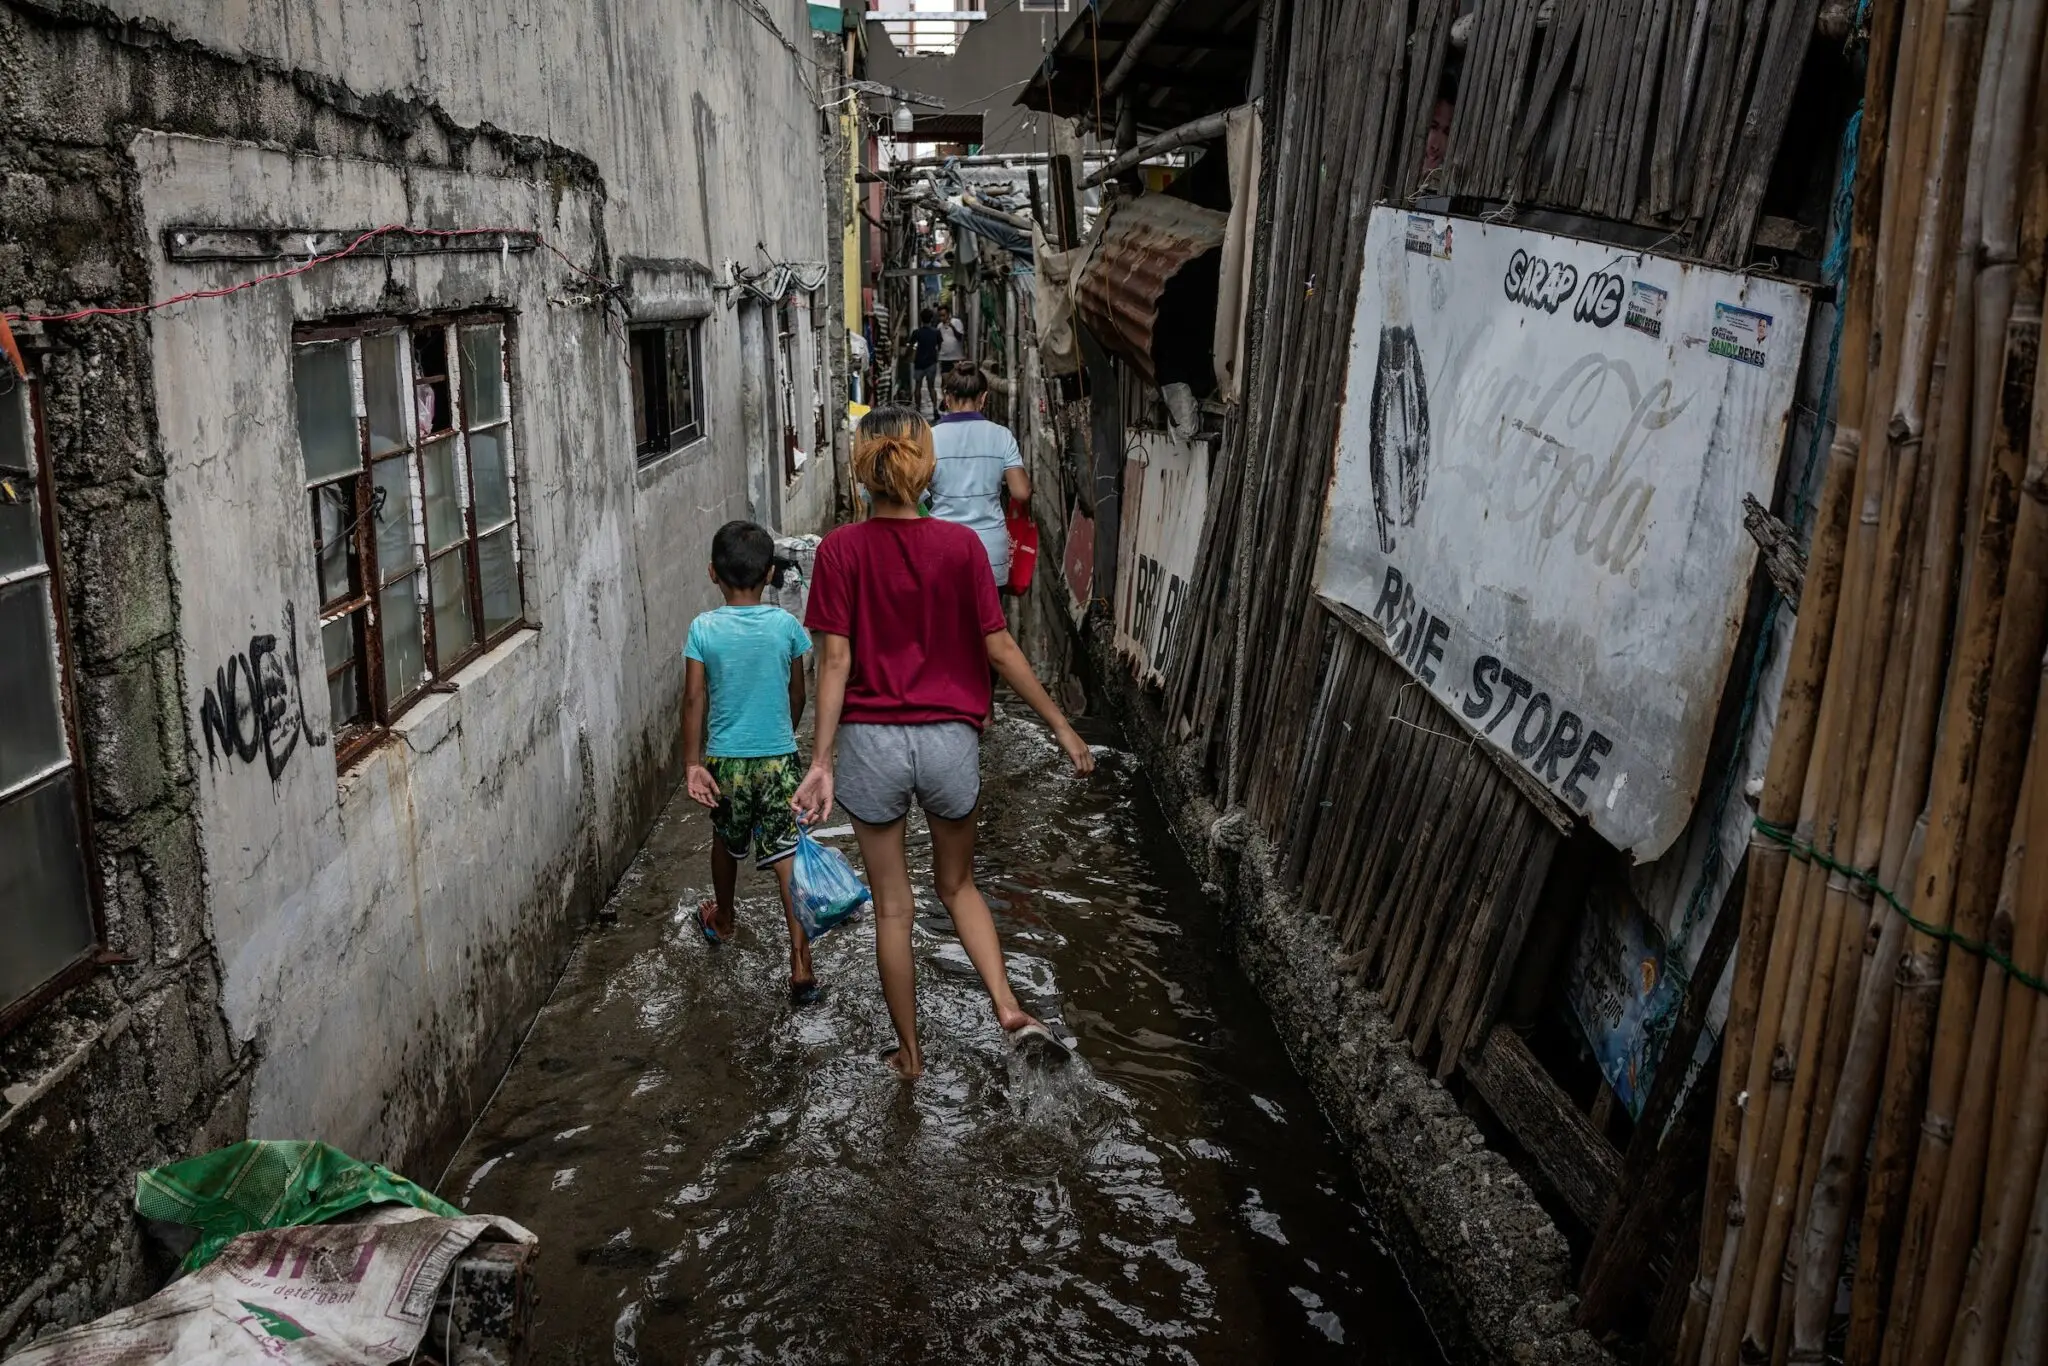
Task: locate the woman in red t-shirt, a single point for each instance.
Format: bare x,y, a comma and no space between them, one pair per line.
905,616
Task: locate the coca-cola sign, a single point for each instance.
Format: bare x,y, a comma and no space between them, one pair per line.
1538,495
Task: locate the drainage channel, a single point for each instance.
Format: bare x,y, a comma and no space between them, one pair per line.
716,1177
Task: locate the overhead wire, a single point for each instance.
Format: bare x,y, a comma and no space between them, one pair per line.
756,11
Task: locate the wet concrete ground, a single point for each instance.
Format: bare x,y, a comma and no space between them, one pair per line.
716,1177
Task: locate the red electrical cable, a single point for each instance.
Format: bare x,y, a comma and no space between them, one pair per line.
127,310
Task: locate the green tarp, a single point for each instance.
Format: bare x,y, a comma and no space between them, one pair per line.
261,1184
827,18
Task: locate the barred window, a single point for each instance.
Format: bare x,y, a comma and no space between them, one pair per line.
406,435
51,920
668,387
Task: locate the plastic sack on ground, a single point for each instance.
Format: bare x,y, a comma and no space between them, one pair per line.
344,1294
824,886
259,1184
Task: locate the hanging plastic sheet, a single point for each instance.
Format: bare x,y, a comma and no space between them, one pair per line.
1052,303
778,280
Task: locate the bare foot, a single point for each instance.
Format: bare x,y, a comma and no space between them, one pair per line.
1014,1018
707,915
904,1064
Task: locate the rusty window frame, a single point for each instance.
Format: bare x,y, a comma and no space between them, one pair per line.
37,485
360,606
676,349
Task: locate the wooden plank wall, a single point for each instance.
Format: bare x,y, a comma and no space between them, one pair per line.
1659,113
1427,853
1371,792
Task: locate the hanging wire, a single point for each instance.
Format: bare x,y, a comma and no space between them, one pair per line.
130,310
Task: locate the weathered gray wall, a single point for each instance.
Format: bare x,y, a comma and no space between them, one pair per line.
352,959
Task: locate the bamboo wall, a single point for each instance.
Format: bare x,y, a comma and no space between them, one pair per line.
1884,1095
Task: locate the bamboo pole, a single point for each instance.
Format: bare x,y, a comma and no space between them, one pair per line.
2002,279
1962,888
1897,726
1987,1295
1788,960
1847,910
1872,240
1955,1135
1960,46
1896,786
1998,253
2026,1334
1776,1085
2026,1331
1813,1049
1780,1112
2016,925
1982,1326
1798,709
1885,832
1849,1124
1795,1071
1789,949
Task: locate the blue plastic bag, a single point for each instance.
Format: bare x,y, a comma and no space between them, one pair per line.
826,889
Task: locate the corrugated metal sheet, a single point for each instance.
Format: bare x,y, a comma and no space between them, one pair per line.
1144,245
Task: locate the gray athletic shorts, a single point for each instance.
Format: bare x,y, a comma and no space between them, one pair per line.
880,768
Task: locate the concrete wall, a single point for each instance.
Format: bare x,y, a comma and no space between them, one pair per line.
353,956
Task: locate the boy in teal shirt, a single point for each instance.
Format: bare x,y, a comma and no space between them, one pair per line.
744,672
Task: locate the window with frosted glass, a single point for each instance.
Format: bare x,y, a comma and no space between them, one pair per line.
47,920
405,433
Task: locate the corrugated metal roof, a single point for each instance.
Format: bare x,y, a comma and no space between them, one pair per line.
1144,247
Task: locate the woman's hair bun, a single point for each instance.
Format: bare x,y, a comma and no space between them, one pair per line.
966,381
893,454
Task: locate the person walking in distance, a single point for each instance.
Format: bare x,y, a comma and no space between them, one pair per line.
907,623
924,362
952,339
978,464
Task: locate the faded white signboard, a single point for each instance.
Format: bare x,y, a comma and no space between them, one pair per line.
1538,495
1166,495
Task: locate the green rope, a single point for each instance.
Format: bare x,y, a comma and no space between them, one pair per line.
1805,852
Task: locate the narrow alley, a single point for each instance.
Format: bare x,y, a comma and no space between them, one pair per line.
1537,508
717,1178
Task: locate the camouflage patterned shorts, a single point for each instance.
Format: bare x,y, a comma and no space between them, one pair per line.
753,806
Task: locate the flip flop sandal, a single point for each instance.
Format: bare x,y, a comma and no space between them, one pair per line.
704,924
1040,1044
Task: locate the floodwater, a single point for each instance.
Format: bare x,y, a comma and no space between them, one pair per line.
716,1177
